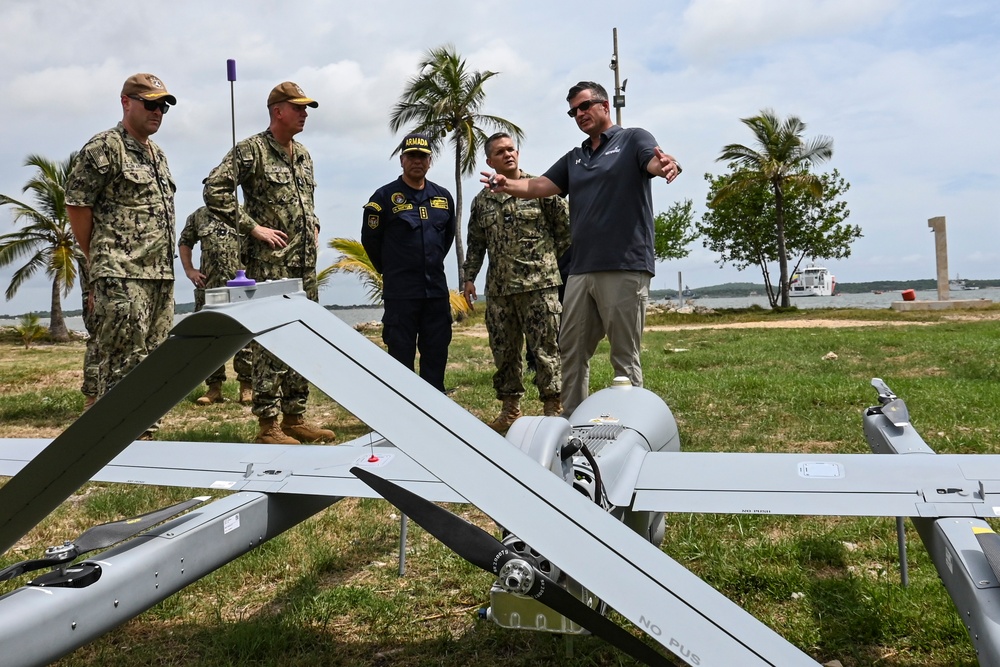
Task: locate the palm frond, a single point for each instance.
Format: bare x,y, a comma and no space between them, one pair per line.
354,260
45,237
460,308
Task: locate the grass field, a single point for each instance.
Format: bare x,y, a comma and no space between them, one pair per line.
327,592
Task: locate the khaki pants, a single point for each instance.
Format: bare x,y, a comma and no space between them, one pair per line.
604,303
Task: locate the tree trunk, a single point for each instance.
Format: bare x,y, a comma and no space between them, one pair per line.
779,208
57,323
459,247
772,298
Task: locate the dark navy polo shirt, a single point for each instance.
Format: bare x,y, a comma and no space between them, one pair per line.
407,234
610,201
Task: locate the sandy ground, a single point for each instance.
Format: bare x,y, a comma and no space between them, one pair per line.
479,331
786,324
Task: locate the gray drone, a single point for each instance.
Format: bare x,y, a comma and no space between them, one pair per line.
578,497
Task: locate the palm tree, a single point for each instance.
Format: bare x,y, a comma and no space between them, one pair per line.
29,329
353,259
781,158
46,239
447,98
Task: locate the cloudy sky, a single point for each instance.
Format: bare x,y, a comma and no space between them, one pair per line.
908,91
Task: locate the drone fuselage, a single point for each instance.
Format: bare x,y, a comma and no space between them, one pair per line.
598,450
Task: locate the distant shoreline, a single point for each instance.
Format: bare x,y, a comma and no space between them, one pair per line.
179,309
725,290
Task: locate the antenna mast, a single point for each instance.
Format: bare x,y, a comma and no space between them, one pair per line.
619,100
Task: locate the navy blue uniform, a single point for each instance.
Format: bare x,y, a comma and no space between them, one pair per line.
407,233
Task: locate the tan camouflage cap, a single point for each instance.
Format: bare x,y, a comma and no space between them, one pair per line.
290,92
147,87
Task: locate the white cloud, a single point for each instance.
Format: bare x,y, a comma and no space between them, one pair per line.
715,28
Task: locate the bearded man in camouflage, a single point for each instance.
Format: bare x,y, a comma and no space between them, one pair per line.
524,239
120,202
279,219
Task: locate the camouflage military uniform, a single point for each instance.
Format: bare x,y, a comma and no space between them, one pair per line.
277,193
91,365
220,259
524,239
130,191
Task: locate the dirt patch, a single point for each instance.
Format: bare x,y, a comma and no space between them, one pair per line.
479,330
30,431
788,324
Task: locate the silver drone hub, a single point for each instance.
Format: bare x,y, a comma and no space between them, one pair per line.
516,576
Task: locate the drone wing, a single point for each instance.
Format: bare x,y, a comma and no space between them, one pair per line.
952,485
669,603
312,470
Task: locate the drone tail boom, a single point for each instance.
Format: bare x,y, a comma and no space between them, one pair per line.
38,625
965,550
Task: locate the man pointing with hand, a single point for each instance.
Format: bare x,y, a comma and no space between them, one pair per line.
607,179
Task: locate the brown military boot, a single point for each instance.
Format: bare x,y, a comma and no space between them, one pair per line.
552,407
297,427
246,393
510,411
271,434
213,395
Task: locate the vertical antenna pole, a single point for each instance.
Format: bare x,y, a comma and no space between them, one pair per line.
240,280
619,100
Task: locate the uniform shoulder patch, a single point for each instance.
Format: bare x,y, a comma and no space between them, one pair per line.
245,151
373,221
98,156
373,206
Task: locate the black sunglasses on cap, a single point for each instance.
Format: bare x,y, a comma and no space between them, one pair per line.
151,105
583,106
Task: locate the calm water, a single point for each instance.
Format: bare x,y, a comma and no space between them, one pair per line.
866,300
352,317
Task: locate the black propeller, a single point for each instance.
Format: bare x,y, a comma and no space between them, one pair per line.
98,537
989,542
893,407
515,573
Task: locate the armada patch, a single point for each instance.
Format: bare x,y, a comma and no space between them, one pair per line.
439,202
373,206
398,198
373,221
418,143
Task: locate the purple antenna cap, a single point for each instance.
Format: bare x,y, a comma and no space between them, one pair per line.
231,69
241,280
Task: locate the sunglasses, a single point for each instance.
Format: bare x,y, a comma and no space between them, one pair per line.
150,105
583,106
